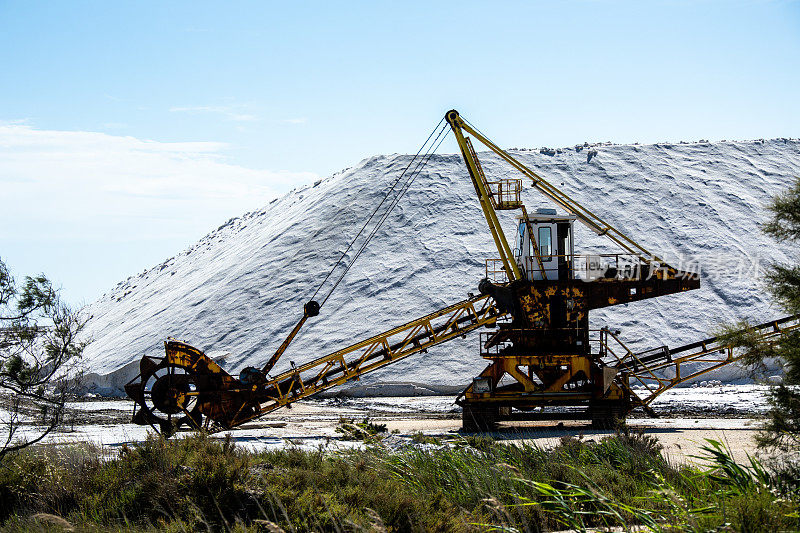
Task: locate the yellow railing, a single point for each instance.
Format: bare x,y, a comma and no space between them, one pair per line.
506,193
586,267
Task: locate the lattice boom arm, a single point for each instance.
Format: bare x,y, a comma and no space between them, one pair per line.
703,356
378,351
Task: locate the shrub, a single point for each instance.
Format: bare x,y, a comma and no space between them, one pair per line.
203,483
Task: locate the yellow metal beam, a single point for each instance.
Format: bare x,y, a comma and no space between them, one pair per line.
535,243
506,256
376,352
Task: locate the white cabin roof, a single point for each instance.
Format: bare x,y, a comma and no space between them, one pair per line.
548,215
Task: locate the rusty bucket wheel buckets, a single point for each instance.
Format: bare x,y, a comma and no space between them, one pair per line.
165,393
188,388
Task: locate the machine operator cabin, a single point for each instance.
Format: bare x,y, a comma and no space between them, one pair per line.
552,239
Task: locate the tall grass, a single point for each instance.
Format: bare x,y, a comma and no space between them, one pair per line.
201,483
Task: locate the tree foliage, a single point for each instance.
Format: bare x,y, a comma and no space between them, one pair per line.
39,349
783,282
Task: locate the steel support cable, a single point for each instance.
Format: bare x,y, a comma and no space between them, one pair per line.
420,164
413,176
585,215
410,180
374,211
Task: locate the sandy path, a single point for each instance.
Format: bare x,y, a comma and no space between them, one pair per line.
312,424
681,437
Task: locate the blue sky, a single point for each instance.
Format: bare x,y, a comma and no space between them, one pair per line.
130,129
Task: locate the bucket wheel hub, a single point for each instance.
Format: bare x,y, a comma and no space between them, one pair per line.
166,396
169,393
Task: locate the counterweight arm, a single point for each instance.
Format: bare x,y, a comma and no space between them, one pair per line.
484,197
309,310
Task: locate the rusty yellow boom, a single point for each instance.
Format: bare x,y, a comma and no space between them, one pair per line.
188,387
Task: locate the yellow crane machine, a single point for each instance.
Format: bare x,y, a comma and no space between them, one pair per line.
544,362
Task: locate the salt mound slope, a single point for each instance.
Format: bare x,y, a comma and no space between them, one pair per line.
241,288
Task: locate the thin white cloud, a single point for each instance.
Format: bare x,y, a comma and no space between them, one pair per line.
229,112
15,122
63,184
301,120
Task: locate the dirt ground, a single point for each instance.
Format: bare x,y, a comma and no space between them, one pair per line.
681,437
313,423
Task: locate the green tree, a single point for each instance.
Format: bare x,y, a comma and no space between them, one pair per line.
39,349
783,281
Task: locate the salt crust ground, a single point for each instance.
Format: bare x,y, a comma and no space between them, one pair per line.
241,288
311,424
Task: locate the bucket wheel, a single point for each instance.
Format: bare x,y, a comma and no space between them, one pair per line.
166,396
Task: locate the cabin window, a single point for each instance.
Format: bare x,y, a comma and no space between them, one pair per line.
520,239
545,241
